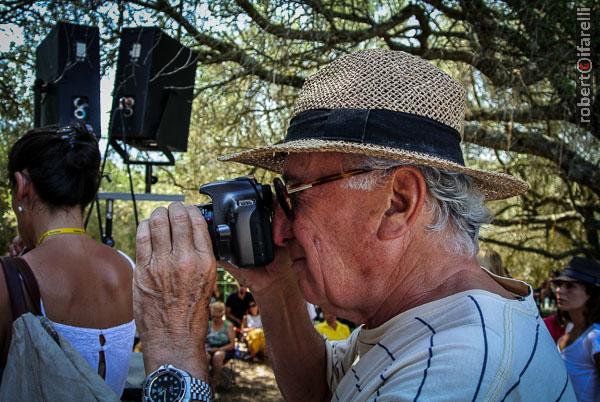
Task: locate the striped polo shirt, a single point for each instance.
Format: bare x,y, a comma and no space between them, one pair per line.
470,346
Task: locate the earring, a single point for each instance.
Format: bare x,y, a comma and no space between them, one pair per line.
20,208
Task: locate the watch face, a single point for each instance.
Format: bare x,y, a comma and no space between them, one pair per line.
166,387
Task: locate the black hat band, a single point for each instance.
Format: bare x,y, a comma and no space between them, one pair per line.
403,131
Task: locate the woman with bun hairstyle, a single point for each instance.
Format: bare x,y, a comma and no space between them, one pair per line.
85,286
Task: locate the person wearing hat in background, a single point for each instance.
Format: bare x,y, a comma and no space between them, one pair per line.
377,221
578,300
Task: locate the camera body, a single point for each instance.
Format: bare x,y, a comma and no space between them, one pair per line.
239,221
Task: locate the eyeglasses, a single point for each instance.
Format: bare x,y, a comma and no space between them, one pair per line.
284,191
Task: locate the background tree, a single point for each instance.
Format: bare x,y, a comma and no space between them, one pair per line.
517,59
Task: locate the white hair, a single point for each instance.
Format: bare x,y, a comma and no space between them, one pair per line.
453,201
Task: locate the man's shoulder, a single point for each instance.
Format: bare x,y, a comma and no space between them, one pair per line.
476,324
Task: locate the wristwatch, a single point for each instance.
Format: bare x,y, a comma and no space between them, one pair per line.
170,384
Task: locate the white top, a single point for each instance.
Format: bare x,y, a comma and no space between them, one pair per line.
312,311
470,346
118,345
579,359
253,321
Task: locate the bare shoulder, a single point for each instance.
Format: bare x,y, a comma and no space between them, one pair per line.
117,257
116,264
77,263
83,282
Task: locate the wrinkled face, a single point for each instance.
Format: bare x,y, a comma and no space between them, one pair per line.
570,295
332,241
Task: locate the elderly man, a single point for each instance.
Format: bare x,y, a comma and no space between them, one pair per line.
378,223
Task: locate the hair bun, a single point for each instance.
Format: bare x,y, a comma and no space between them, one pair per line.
63,163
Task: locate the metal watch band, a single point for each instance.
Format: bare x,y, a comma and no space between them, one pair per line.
200,390
195,389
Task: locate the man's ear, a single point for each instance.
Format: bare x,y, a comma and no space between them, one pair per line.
406,199
22,187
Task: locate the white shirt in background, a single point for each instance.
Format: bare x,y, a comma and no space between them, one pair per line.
579,359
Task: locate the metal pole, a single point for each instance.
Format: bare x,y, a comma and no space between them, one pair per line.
108,239
148,179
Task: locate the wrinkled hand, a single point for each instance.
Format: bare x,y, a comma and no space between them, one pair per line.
173,282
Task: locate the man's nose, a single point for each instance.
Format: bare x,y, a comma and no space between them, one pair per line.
282,227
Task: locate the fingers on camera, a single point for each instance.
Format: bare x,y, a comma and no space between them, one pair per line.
181,228
143,244
199,229
160,232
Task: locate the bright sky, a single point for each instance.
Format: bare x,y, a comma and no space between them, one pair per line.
10,33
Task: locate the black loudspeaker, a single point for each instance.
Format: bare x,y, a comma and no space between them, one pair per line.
152,98
67,85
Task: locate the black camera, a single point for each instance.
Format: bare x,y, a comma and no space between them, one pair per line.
239,221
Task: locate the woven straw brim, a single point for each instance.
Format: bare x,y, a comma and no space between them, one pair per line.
494,186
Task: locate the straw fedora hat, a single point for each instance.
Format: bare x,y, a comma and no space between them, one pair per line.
386,104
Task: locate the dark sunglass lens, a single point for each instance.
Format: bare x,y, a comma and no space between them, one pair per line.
283,197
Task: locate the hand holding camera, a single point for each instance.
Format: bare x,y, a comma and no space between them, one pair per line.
173,251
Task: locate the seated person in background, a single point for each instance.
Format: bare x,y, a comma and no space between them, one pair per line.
237,304
85,286
220,342
331,328
252,328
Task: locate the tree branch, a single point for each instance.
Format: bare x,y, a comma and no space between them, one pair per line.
551,219
338,36
228,51
575,167
556,111
535,250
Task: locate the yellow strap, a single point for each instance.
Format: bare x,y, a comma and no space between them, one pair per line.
60,231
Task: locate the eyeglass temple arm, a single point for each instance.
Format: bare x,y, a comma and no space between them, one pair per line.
302,187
